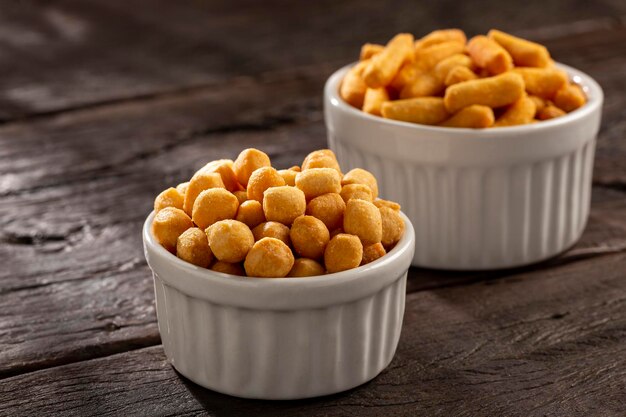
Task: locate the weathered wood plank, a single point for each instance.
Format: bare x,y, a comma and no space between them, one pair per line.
533,344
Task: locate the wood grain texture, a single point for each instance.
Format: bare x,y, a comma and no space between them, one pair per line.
532,344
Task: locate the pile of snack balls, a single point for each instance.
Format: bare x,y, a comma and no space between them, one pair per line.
244,217
442,79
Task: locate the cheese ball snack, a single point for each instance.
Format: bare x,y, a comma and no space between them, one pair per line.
474,116
168,224
323,158
523,52
309,236
343,252
392,227
224,167
241,196
269,258
519,113
283,204
383,66
272,229
359,191
168,198
289,176
230,240
488,54
213,205
193,246
422,110
199,182
497,91
379,202
304,267
182,188
262,179
363,219
373,252
228,268
251,213
361,176
328,208
248,161
317,181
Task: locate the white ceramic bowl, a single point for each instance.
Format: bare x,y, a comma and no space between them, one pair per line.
284,338
478,198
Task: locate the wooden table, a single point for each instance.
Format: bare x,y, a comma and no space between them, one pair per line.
104,103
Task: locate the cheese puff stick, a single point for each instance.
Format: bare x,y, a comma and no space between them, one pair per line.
550,112
423,110
441,36
542,82
427,58
495,91
406,75
519,113
353,87
474,116
384,65
458,75
368,50
539,103
524,53
424,85
569,97
488,54
374,99
443,68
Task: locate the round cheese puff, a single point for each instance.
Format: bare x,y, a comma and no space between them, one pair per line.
272,229
393,226
248,161
358,191
168,198
228,268
251,213
262,179
343,252
182,188
379,202
241,196
372,252
269,258
303,267
361,176
193,246
199,182
336,232
328,208
309,237
213,205
224,167
230,240
283,204
168,224
295,168
317,181
289,176
323,158
363,219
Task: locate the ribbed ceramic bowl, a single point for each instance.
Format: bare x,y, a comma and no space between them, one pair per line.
478,198
284,338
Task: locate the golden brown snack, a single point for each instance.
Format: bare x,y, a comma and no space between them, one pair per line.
323,158
361,176
353,88
269,258
519,113
168,224
251,213
289,176
283,204
230,240
424,85
539,103
228,268
368,50
570,97
262,179
497,91
474,116
336,232
423,110
374,99
542,82
317,181
550,112
359,191
379,202
272,229
393,227
303,267
168,198
373,252
328,208
199,182
443,68
241,196
248,161
224,167
407,73
309,236
182,188
384,65
343,252
193,246
488,54
213,205
363,219
459,75
524,53
427,58
441,36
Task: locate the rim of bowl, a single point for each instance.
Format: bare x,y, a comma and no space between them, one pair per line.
287,292
592,89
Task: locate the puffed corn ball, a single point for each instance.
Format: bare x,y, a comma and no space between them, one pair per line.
193,246
328,208
168,198
251,213
357,191
262,179
304,267
393,226
317,181
228,268
269,258
373,252
289,176
363,219
309,237
283,204
323,158
213,205
343,252
230,240
272,229
361,176
248,161
168,224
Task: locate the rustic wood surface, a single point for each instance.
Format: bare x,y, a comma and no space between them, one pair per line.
104,103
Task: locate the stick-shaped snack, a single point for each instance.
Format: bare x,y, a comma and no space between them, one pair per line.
441,36
474,116
427,58
374,99
550,112
519,113
423,110
458,75
406,75
368,50
353,87
384,65
443,68
497,91
539,103
423,85
488,54
569,97
524,53
542,82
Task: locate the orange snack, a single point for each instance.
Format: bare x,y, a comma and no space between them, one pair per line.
393,227
241,196
441,36
550,112
262,179
317,181
524,53
182,188
283,204
384,65
368,50
497,91
230,240
343,252
199,182
443,68
423,110
248,161
427,58
358,191
224,167
424,85
519,113
539,103
361,176
228,268
322,158
213,205
289,176
373,252
374,99
542,82
379,202
251,213
353,87
408,72
193,246
458,75
569,97
328,208
309,237
304,267
269,258
488,54
168,198
363,219
272,229
474,116
168,224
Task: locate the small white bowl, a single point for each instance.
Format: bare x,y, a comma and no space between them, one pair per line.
478,198
282,338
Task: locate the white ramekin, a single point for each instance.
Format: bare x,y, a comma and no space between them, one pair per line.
478,198
284,338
